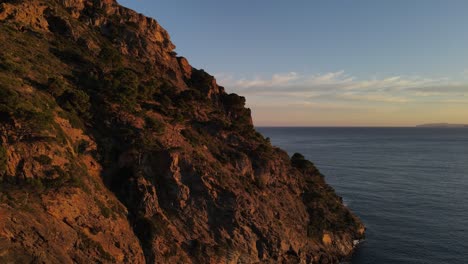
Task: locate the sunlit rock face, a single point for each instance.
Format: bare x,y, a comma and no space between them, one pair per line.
115,150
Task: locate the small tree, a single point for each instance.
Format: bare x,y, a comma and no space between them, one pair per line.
56,86
75,101
7,124
3,160
155,125
298,161
31,122
110,56
123,86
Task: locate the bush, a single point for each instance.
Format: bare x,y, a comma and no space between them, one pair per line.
87,244
123,86
264,151
70,55
73,118
74,100
43,160
201,81
299,161
110,56
155,124
56,86
9,65
8,97
191,95
234,101
32,122
36,184
3,160
14,110
105,211
165,93
82,146
192,137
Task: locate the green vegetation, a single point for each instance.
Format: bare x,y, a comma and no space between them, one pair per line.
55,177
335,219
191,136
234,101
107,94
155,124
191,95
73,118
70,54
105,211
43,160
33,122
8,64
122,86
21,119
165,95
36,184
298,161
241,116
201,81
88,244
110,56
3,160
82,146
57,86
75,101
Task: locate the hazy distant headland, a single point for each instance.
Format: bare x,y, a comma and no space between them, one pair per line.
445,125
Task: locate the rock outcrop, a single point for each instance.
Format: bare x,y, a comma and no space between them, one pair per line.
115,150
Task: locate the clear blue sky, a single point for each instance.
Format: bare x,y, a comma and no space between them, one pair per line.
399,62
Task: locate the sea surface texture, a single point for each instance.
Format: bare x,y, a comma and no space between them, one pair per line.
408,185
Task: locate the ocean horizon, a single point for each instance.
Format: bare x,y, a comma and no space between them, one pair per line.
407,184
418,127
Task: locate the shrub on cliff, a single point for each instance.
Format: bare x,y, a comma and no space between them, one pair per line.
32,121
70,99
75,101
110,56
123,86
233,101
201,80
56,86
155,125
43,159
3,160
8,98
298,161
191,95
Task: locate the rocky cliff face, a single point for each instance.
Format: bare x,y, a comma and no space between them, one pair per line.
115,150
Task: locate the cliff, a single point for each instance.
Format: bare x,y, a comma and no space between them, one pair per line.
115,150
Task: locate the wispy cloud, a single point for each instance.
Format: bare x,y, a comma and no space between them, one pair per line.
294,87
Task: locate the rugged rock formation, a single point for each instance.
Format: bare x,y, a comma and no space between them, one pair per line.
113,149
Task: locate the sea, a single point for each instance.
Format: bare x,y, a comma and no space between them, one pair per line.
408,185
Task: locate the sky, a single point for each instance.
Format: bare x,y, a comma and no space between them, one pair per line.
328,62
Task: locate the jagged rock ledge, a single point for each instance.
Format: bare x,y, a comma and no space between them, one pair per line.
115,150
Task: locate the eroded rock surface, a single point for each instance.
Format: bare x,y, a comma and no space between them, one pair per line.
115,150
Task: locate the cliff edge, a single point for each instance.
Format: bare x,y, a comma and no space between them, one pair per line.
115,150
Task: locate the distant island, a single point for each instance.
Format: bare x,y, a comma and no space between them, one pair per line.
443,125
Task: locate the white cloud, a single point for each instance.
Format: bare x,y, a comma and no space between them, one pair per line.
294,88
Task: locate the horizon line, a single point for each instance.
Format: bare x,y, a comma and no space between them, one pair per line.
339,126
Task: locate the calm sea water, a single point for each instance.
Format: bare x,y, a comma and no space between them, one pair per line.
408,185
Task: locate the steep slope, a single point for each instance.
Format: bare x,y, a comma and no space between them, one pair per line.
113,149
